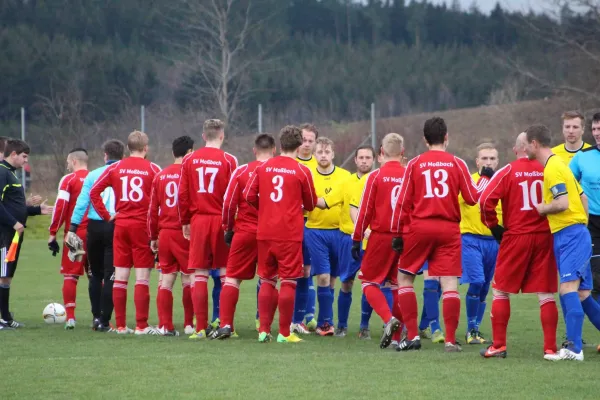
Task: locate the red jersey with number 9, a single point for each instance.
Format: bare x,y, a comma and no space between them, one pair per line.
131,180
163,212
205,174
281,188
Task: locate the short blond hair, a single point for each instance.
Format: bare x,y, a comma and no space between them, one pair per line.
573,115
324,141
311,128
137,140
79,155
212,128
486,146
392,145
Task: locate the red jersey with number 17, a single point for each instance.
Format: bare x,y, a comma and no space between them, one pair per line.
163,212
281,188
131,180
205,174
519,186
247,216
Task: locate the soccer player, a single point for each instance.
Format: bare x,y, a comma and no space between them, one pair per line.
279,189
479,250
572,129
240,234
167,239
428,201
526,261
68,190
131,180
565,206
205,174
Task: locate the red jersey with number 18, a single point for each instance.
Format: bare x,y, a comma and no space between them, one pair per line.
163,201
281,188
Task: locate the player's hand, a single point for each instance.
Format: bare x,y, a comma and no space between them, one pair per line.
367,233
45,208
498,232
228,238
33,201
19,228
355,251
186,231
398,244
53,245
112,218
541,209
154,246
487,172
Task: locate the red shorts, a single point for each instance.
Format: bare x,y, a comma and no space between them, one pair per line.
440,247
526,263
280,259
68,267
379,262
173,252
243,256
207,243
131,247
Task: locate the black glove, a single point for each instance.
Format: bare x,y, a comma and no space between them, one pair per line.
73,228
398,244
54,247
355,249
487,171
498,232
228,238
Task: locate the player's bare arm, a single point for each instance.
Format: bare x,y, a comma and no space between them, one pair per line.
557,205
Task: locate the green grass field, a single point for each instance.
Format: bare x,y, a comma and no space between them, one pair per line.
45,361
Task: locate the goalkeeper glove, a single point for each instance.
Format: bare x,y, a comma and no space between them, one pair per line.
487,172
228,238
398,244
498,232
54,247
355,249
75,246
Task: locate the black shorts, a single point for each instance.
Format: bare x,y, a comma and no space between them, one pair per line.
594,228
7,269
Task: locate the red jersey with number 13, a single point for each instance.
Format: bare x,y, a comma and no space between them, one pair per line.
247,216
163,212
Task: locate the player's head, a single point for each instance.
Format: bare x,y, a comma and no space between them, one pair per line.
137,143
520,148
324,152
290,140
310,134
113,150
16,152
596,128
538,139
573,126
213,131
487,156
435,132
364,156
77,159
3,140
392,147
182,146
264,146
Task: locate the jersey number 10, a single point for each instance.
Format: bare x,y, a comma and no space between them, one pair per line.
531,194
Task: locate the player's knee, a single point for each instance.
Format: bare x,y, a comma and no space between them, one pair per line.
323,280
474,289
431,285
584,294
347,286
449,283
4,284
542,297
307,271
569,287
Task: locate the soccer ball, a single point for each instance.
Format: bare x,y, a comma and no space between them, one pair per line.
54,313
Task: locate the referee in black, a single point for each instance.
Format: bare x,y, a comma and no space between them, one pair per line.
13,218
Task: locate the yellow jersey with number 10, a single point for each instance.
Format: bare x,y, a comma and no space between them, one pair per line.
325,184
470,216
567,155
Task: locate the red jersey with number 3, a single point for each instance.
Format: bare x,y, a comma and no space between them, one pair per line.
429,193
378,200
281,188
68,191
519,186
163,212
131,180
247,216
205,174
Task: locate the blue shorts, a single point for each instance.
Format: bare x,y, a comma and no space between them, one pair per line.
305,253
479,255
424,268
573,251
323,247
348,266
215,273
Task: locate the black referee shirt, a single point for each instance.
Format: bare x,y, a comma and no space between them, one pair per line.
13,207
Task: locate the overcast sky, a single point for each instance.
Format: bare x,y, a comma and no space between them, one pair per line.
487,5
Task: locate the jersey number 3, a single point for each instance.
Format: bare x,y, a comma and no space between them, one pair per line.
277,192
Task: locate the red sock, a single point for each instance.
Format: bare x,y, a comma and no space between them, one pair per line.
141,299
200,301
188,305
377,300
69,290
549,317
229,298
286,306
396,307
274,305
265,297
407,300
165,307
120,303
451,309
158,307
500,314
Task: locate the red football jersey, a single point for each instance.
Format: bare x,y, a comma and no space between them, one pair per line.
247,216
519,186
280,188
131,180
205,174
68,191
429,193
379,199
163,212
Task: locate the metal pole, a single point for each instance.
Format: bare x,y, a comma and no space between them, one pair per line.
142,118
373,133
260,125
23,173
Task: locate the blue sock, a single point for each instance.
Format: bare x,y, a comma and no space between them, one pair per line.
301,300
333,292
431,299
344,303
389,298
257,290
216,297
574,319
365,312
481,309
591,308
312,299
424,322
473,296
564,313
435,322
325,305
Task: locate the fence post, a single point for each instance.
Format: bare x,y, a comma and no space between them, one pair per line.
143,118
260,124
373,133
23,173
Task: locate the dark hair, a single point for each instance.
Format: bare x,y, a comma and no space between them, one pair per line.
596,117
3,140
16,145
310,128
114,149
290,138
78,149
182,145
364,147
264,141
540,133
435,131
